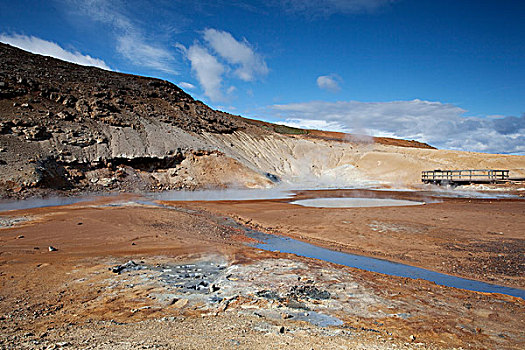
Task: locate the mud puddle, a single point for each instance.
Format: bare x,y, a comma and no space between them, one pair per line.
353,202
31,203
224,195
288,245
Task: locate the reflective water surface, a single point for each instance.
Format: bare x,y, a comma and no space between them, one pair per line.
289,245
353,202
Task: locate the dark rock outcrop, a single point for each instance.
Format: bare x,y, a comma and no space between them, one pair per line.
69,127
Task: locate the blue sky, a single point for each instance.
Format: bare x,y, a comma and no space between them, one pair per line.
450,73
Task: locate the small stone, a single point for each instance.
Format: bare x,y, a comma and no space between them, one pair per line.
65,115
52,249
281,330
412,337
179,304
214,288
20,237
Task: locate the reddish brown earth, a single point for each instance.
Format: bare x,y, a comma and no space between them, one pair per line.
69,296
338,136
474,238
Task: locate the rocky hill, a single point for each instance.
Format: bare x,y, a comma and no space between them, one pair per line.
65,126
71,128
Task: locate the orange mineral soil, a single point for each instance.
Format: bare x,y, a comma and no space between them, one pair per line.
196,283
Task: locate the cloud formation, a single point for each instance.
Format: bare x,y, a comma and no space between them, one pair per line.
439,124
48,48
187,86
130,42
329,83
316,8
207,69
219,56
237,53
314,124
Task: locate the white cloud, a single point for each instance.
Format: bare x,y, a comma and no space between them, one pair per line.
207,68
314,124
187,86
139,53
439,124
214,61
130,40
329,82
48,48
249,64
316,8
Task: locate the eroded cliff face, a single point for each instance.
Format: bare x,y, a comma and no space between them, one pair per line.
309,162
64,126
73,128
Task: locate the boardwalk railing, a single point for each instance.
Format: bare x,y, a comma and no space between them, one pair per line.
464,176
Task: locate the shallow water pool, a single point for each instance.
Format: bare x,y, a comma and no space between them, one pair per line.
288,245
354,202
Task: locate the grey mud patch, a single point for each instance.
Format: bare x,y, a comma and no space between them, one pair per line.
11,221
273,290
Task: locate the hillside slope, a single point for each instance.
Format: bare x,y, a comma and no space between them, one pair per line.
75,128
65,126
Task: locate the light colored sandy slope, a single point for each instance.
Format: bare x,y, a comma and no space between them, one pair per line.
404,165
319,162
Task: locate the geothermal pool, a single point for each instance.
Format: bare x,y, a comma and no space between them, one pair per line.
54,201
354,202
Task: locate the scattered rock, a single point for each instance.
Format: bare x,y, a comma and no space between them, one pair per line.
412,337
20,236
268,294
130,265
36,133
310,292
179,304
52,249
65,115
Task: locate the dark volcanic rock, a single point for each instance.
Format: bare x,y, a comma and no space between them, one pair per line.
67,127
114,98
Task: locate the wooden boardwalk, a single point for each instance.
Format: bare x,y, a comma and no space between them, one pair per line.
464,177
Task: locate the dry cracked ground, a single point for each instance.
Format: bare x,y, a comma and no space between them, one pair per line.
126,273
